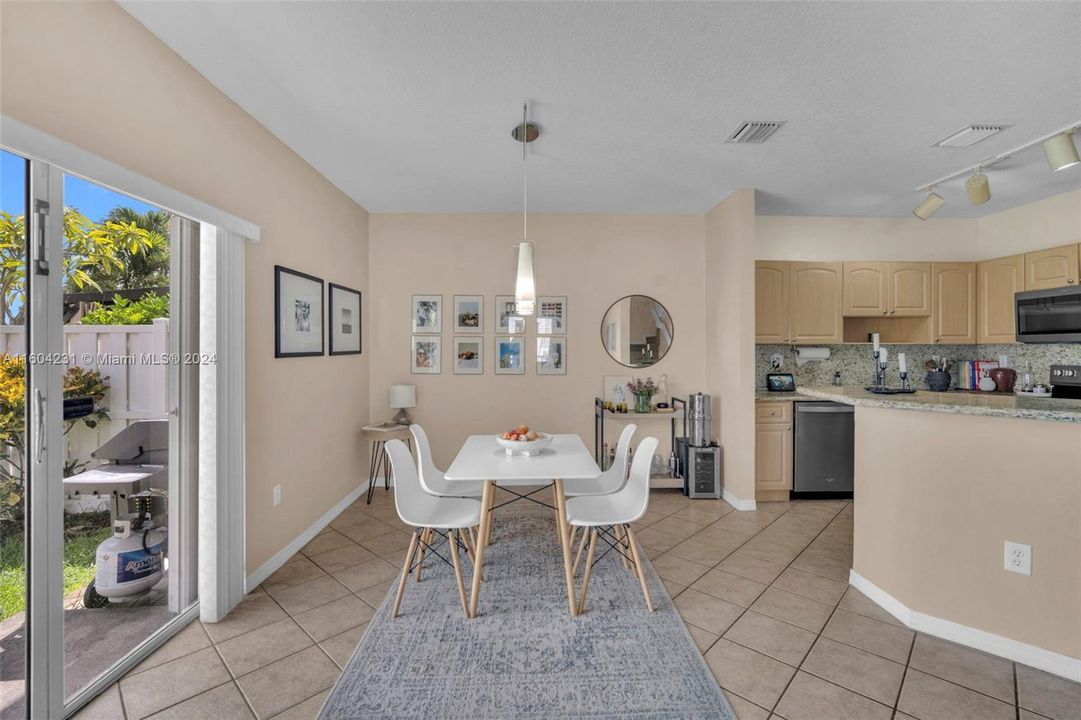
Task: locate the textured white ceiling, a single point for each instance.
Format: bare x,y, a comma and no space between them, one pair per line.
407,107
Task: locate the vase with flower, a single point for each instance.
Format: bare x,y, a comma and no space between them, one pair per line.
643,392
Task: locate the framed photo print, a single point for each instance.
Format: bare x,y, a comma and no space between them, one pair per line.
298,314
343,327
507,319
468,356
509,355
552,315
551,356
427,353
428,314
469,313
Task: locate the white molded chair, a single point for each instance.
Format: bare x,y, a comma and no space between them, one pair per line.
432,479
611,480
429,515
610,517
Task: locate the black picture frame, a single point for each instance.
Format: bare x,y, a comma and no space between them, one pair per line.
331,287
279,352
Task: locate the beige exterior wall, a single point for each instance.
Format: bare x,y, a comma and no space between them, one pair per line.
729,335
937,497
91,75
592,259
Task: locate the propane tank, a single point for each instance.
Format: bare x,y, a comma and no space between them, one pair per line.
124,565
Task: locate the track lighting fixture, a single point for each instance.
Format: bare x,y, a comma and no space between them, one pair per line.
929,206
978,188
1060,151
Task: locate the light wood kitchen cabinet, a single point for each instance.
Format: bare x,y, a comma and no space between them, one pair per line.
908,288
814,298
771,302
954,302
864,289
773,451
1054,268
996,282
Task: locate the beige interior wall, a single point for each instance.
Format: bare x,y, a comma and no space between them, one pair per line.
730,230
592,259
91,75
938,495
1044,224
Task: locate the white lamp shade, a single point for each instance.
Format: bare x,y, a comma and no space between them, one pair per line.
930,204
1061,152
978,188
525,292
403,396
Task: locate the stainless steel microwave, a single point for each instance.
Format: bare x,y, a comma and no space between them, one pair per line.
1049,316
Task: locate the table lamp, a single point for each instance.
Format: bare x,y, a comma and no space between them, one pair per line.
402,397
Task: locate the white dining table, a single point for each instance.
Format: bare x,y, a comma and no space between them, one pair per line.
483,459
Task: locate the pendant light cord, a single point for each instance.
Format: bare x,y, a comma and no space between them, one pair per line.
525,176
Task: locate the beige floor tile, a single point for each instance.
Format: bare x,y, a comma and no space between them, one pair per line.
749,674
752,568
298,598
673,588
856,602
811,698
835,569
172,682
772,637
388,543
699,551
855,669
796,609
883,639
680,526
335,617
810,585
677,569
930,698
972,669
654,537
347,556
185,642
369,529
1048,694
106,706
307,710
706,611
325,543
221,703
745,709
250,614
291,680
263,646
719,538
377,594
298,569
340,647
769,551
366,574
704,639
704,513
726,586
651,552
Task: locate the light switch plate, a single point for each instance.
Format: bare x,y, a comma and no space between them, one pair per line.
277,494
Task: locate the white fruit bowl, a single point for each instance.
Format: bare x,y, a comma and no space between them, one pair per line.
525,447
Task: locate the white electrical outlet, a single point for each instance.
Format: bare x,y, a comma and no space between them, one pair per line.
1018,558
776,360
277,494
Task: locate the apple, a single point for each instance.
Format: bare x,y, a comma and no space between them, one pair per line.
522,429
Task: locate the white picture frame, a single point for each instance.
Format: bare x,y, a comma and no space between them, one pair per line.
509,355
551,355
507,321
468,314
468,356
426,355
552,315
427,314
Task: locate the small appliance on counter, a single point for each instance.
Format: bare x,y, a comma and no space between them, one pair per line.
1066,381
780,382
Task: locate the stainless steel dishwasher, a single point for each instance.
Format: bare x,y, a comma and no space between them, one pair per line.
824,452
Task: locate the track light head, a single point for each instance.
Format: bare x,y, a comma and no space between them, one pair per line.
929,206
978,188
1060,151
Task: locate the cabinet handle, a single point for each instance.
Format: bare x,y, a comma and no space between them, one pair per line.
1069,282
885,311
892,312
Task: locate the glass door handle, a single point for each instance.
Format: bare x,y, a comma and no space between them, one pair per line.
41,426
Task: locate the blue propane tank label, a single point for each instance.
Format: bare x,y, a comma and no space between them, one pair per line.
137,564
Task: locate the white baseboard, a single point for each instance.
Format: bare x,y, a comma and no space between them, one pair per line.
279,558
1046,660
735,502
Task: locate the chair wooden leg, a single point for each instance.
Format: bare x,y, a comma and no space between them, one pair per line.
469,540
425,538
638,566
581,546
589,570
453,539
405,572
621,538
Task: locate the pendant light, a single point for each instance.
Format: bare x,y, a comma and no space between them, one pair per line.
525,289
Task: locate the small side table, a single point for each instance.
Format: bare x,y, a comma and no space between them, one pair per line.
379,435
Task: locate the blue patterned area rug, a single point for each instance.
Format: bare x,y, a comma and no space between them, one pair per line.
524,656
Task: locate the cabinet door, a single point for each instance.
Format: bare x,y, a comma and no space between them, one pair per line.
1052,268
909,289
814,299
773,457
996,283
770,302
864,289
954,302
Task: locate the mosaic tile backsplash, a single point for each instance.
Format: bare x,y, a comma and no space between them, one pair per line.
856,365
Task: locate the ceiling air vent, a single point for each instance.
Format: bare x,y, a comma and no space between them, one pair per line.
969,135
755,131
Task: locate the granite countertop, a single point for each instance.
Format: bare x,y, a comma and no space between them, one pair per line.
964,403
767,396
